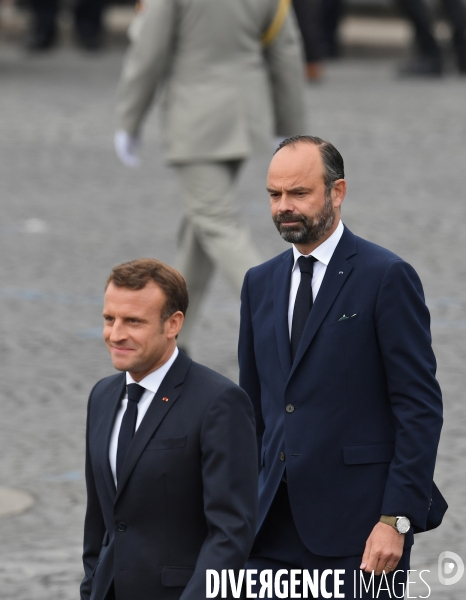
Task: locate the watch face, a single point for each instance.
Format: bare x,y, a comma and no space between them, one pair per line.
403,525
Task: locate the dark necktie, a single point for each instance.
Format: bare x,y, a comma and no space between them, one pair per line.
303,302
128,424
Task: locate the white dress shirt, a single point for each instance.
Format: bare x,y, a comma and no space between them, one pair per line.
152,383
322,254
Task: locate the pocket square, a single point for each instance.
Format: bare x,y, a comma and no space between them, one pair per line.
345,318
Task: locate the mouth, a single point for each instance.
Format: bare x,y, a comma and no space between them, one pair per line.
289,219
120,350
291,225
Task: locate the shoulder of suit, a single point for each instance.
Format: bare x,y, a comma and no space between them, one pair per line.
105,384
270,265
209,380
374,254
374,259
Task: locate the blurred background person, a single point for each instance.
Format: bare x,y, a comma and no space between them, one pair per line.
429,61
233,78
318,22
43,32
331,15
308,15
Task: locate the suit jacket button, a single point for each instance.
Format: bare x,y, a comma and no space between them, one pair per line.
121,527
289,408
282,456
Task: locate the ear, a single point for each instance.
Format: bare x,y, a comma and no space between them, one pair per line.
174,324
338,192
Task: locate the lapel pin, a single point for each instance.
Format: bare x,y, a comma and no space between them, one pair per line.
164,399
340,273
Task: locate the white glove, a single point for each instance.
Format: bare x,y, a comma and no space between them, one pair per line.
126,147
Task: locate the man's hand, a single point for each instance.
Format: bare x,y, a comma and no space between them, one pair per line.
125,147
383,551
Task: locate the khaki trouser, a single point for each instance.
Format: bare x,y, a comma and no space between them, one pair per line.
212,234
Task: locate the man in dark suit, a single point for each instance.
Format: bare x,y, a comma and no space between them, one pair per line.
171,465
308,15
429,59
87,18
335,353
318,21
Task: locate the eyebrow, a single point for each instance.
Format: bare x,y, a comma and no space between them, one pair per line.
292,190
128,318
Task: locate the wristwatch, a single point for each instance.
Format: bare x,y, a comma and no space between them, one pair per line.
401,524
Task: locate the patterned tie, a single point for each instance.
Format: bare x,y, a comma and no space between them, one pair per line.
128,424
303,302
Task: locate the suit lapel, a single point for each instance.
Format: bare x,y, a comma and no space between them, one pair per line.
170,388
114,397
281,297
337,273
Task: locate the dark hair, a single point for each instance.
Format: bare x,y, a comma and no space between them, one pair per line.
334,167
136,274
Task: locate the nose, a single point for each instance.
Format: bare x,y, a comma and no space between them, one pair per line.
117,332
285,204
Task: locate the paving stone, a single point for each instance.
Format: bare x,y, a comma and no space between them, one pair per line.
14,502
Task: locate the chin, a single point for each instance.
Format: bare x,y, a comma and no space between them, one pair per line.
121,365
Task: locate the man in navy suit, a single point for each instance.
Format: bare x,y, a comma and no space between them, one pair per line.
171,465
335,354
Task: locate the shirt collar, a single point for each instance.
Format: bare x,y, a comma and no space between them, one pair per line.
324,252
152,381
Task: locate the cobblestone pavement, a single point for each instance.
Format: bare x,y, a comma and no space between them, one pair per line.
70,212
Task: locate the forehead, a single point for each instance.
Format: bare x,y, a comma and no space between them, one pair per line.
122,299
296,165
